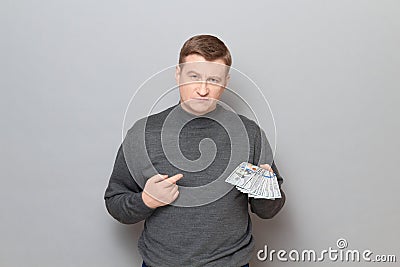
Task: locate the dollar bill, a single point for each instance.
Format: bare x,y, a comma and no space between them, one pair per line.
255,181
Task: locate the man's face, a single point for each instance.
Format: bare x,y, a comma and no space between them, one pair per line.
201,83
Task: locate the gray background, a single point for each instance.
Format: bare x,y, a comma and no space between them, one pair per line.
330,71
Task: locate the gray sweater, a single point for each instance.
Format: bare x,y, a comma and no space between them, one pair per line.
209,223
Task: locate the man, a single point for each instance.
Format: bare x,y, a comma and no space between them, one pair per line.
165,173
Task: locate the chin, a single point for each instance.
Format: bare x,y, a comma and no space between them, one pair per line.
200,109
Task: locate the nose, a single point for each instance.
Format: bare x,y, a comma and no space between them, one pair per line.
202,90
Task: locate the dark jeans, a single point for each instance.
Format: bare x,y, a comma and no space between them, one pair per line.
144,265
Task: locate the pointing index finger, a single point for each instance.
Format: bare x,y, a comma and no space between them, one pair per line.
174,179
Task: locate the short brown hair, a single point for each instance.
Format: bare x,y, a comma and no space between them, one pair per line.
207,46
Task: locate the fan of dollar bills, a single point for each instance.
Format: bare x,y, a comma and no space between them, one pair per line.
257,182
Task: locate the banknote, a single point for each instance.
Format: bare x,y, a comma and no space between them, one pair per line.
255,181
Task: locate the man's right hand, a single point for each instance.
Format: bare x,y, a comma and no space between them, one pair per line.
160,190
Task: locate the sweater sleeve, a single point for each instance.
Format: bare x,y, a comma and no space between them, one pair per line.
123,196
266,208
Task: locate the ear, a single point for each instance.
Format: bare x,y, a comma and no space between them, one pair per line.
177,74
227,79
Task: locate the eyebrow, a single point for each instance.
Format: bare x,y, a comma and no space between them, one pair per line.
192,71
214,77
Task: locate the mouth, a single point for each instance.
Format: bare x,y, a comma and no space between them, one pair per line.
202,98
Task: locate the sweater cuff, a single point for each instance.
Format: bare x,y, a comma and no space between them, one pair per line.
137,198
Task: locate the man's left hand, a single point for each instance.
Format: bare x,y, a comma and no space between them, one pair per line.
267,167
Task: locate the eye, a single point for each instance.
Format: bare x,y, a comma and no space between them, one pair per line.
194,77
213,80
